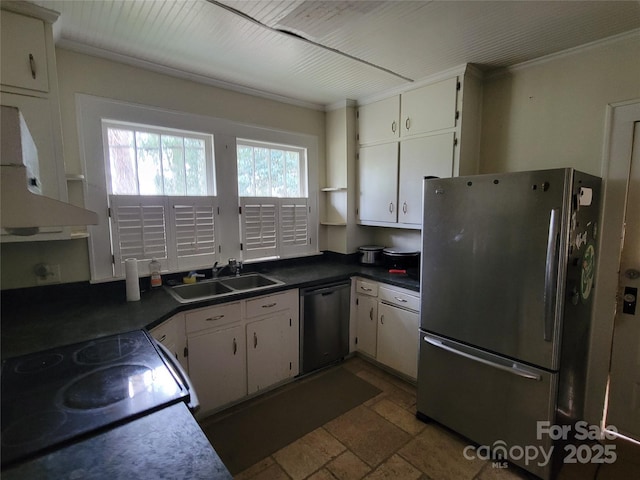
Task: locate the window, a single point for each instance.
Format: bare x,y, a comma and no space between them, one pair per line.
154,197
272,185
158,182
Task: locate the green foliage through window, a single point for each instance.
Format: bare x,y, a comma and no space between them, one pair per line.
269,171
147,162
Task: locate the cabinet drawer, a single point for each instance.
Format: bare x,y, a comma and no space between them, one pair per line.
367,288
271,303
213,317
400,299
165,333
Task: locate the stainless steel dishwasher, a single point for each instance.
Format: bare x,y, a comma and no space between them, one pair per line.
324,325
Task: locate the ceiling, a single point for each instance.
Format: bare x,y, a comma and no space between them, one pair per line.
320,53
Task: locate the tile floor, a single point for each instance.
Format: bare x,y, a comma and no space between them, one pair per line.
382,439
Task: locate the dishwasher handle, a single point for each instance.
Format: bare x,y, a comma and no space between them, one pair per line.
324,289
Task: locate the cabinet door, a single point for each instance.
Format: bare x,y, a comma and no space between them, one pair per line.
378,121
172,335
24,54
271,348
429,108
39,117
217,366
421,157
378,183
398,339
366,324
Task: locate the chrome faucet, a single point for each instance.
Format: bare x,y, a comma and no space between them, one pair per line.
234,267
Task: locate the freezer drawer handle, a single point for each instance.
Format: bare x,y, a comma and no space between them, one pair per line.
549,275
513,369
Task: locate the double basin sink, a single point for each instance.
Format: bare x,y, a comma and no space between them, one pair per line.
218,287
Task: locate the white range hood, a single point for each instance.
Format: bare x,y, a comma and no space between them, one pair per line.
23,209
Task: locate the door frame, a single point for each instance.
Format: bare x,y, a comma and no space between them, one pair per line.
616,162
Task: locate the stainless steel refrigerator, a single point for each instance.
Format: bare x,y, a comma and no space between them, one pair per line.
507,286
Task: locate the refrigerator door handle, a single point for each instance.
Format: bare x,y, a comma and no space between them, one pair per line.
550,274
514,369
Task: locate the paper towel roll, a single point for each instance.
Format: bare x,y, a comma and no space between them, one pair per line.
133,285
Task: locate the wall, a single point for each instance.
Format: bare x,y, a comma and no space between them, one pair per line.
550,114
79,73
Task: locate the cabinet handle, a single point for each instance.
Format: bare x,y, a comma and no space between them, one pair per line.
391,207
394,126
401,300
32,64
366,289
162,338
381,319
213,319
404,207
255,340
269,305
407,123
371,314
235,346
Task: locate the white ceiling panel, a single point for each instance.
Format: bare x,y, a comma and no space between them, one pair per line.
348,49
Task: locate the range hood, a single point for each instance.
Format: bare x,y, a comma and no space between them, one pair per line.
23,208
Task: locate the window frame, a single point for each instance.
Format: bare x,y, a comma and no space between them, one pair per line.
90,110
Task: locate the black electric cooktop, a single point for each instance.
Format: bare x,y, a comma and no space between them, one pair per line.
60,395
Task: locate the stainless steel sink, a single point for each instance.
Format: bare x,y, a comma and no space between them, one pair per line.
249,282
219,287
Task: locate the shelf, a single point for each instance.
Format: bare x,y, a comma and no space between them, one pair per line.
334,224
75,177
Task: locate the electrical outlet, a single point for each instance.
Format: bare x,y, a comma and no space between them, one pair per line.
47,274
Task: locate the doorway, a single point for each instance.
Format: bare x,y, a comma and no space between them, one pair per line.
615,345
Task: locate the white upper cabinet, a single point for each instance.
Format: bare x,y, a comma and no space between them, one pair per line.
379,121
421,157
439,136
24,53
378,183
429,108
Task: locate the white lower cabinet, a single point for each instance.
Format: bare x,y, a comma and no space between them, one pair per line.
272,339
239,348
366,316
387,321
269,351
398,339
171,334
218,366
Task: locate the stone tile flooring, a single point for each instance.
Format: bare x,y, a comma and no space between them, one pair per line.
382,439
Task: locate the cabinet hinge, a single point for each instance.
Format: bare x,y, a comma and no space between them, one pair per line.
113,259
357,301
240,210
109,212
290,366
458,85
186,352
218,210
356,340
290,324
241,246
457,114
357,113
455,142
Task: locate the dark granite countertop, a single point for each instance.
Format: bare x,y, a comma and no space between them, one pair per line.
165,444
38,318
168,443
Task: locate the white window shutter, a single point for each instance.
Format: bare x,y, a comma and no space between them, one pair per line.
139,229
259,223
193,228
294,226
